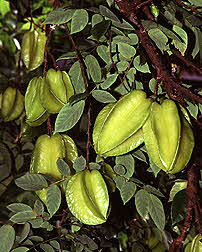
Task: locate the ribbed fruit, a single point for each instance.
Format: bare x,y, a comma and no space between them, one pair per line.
168,137
36,114
33,47
87,197
46,153
117,128
12,104
56,89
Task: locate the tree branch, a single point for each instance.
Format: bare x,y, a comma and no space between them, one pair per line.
172,86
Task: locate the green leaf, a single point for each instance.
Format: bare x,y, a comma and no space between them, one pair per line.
178,208
159,38
120,169
46,247
63,167
69,116
108,13
126,50
120,182
140,155
181,46
24,216
53,199
178,186
79,164
36,223
103,52
96,18
77,78
124,25
94,166
122,65
100,29
131,74
38,207
55,244
156,211
197,3
142,203
127,191
31,182
134,38
154,168
153,190
193,109
128,162
198,37
79,21
19,207
24,233
20,249
142,68
36,238
109,81
93,68
7,238
59,16
103,96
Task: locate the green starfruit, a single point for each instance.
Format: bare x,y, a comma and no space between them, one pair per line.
117,128
33,47
87,197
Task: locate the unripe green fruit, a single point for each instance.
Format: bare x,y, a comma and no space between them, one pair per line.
33,47
168,137
36,114
117,128
56,89
87,197
46,153
196,244
12,104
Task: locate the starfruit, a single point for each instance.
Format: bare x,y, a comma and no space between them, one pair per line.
36,114
56,89
87,197
46,153
117,128
168,137
12,104
195,245
33,47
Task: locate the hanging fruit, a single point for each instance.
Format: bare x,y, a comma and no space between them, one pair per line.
56,89
87,197
12,104
36,114
117,128
46,153
33,47
168,137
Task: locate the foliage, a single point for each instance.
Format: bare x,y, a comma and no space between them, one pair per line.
107,49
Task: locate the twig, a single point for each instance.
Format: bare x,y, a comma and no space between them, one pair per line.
172,86
187,6
80,59
192,207
53,59
46,50
88,138
143,4
186,62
